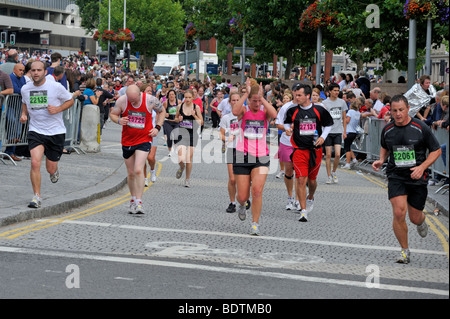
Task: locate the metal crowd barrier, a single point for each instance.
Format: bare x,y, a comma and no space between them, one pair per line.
71,118
14,133
440,166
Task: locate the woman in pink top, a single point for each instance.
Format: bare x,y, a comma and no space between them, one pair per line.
252,161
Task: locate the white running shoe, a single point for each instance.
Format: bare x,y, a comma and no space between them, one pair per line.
152,176
54,177
187,183
242,212
35,202
329,180
139,208
335,178
132,208
254,230
346,166
280,174
303,216
291,204
423,229
309,204
146,182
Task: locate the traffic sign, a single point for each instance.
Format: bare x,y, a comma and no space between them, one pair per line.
191,57
248,51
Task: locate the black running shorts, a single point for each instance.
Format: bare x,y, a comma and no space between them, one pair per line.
53,144
416,193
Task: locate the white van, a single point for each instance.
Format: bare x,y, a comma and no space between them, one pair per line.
165,63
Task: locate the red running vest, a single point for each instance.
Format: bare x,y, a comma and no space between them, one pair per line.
137,131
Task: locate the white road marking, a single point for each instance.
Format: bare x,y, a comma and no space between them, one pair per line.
149,262
216,233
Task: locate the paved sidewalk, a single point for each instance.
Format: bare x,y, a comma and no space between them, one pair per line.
83,178
86,177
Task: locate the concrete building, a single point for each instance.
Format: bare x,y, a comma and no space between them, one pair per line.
44,25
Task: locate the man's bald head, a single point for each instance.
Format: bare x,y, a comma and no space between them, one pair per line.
133,93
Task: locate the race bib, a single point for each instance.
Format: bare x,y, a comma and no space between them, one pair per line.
307,126
404,156
187,124
136,119
234,127
254,130
38,100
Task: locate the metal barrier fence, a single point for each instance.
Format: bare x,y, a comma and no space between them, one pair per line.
369,143
14,133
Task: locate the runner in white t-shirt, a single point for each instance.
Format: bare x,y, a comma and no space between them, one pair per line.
44,101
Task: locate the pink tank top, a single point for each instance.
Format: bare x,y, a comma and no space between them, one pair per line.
252,135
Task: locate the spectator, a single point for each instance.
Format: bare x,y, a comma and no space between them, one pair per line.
17,77
6,86
375,96
420,95
56,59
386,108
363,84
11,61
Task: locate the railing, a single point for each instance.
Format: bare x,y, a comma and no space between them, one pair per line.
14,133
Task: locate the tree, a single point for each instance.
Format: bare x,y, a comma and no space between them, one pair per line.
157,24
89,14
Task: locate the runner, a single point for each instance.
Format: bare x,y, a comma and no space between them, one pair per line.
44,101
229,128
189,117
252,161
285,150
310,125
170,124
405,143
134,112
338,109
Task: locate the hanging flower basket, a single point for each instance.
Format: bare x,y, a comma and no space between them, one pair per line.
236,24
125,35
316,16
416,9
109,35
190,31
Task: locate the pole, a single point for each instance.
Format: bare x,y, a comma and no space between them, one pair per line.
243,59
319,55
185,61
197,75
412,53
428,48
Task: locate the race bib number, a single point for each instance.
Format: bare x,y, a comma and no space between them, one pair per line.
234,127
404,156
38,100
254,130
308,126
136,119
187,124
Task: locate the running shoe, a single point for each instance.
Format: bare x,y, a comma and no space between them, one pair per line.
242,212
152,176
187,183
254,230
347,166
139,209
179,173
146,182
423,229
223,148
231,208
248,204
280,174
291,204
303,216
309,204
35,202
335,178
404,257
329,180
54,177
132,208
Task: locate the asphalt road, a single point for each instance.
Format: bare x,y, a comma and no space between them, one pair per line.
187,247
